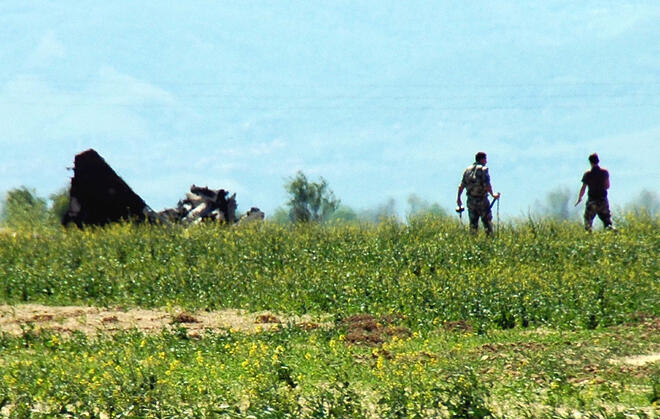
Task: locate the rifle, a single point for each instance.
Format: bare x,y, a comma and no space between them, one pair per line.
497,231
493,203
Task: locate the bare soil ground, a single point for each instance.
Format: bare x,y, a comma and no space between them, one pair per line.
639,360
361,329
94,320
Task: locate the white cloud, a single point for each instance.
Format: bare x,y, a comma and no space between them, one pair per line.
113,87
556,23
48,50
607,23
107,107
47,125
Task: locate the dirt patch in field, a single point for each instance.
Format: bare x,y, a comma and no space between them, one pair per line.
638,360
92,320
516,347
365,329
458,326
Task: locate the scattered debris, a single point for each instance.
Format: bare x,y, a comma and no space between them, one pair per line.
200,204
254,214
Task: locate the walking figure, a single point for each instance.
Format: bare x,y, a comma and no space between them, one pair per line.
476,181
596,182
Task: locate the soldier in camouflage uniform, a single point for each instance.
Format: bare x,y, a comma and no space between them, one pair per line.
597,181
476,181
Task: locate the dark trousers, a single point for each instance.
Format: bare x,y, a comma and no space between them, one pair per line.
479,208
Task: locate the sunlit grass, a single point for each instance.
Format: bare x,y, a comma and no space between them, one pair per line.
532,323
532,274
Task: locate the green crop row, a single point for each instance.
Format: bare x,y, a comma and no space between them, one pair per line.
428,271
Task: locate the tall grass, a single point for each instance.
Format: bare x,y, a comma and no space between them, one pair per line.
431,270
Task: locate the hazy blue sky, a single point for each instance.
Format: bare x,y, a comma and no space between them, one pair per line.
382,98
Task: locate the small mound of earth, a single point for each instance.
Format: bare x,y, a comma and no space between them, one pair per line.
458,326
308,326
366,329
267,318
184,317
93,320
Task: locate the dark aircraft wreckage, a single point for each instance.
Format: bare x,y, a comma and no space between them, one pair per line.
98,196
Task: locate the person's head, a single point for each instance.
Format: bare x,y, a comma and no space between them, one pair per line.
593,158
480,157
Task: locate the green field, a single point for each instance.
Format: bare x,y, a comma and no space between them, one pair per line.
419,320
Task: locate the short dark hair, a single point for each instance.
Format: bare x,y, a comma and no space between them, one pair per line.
480,155
593,158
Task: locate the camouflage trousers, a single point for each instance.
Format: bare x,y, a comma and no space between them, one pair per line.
479,207
598,207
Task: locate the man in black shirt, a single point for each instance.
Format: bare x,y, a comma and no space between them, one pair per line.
597,180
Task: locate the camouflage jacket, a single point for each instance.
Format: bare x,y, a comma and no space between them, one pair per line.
476,180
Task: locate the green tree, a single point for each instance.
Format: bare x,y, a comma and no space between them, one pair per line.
646,203
344,214
59,204
280,216
22,207
384,211
310,201
558,205
420,208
